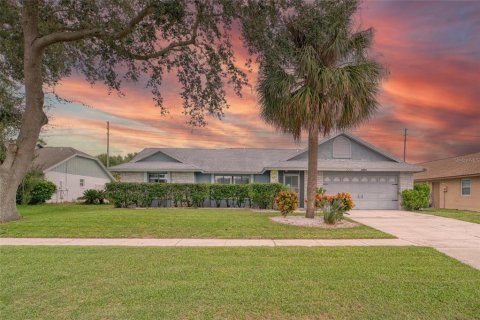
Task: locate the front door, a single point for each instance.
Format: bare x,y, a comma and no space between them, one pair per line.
292,182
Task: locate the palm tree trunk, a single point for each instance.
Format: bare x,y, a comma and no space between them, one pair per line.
312,171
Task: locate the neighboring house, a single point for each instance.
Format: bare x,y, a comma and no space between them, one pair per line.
455,182
71,170
346,164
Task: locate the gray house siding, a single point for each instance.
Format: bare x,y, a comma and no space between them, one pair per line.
81,166
358,152
262,178
203,177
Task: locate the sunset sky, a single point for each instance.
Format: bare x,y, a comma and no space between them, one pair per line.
432,51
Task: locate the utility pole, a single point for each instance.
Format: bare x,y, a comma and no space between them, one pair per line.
108,144
405,145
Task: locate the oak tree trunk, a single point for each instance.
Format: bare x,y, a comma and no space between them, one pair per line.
8,210
20,155
312,171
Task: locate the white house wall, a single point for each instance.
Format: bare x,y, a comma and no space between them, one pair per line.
68,185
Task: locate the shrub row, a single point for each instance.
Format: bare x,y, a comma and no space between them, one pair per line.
129,194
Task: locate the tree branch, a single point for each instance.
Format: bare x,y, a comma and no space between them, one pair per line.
66,36
172,45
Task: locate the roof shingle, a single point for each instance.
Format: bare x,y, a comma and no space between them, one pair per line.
466,165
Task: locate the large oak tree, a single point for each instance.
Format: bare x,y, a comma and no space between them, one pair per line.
112,41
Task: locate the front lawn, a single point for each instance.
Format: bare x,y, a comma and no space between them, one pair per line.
469,216
235,283
101,221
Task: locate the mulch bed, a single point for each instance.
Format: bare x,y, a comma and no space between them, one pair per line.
316,222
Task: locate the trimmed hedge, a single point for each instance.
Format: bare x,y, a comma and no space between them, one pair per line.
131,194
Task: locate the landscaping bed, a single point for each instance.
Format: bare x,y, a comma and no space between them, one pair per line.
317,222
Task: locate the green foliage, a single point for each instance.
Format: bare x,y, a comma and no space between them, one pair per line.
35,191
334,207
317,72
287,202
115,160
416,198
334,211
93,196
24,190
263,194
10,113
125,194
144,39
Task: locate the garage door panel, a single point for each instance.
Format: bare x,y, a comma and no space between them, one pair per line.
368,190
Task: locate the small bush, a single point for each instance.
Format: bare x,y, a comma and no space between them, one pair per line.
263,194
287,202
92,196
333,211
416,198
42,191
26,186
346,199
334,207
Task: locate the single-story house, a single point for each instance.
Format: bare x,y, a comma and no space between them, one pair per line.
71,170
346,163
455,182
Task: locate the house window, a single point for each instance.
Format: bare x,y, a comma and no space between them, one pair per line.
223,179
82,183
158,177
238,179
466,187
241,179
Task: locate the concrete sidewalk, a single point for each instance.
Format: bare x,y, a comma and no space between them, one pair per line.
457,239
202,242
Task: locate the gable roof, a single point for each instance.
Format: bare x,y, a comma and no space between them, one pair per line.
357,139
232,160
254,160
466,165
47,158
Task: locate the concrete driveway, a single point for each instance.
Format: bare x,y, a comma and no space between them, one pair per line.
458,239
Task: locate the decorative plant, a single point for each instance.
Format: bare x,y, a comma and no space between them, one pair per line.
93,196
346,200
287,202
334,207
334,211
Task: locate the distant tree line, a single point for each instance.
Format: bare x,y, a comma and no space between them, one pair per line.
115,160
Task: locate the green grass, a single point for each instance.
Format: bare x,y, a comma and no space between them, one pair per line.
235,283
469,216
92,221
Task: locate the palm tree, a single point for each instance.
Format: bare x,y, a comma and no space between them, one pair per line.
317,77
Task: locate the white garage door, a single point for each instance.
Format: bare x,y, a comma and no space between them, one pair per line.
368,190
